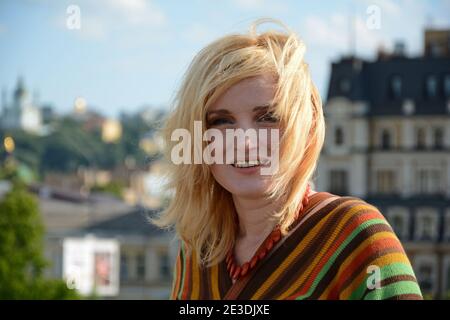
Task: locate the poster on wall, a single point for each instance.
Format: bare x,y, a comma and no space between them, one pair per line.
91,265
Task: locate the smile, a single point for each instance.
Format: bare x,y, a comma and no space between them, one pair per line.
248,164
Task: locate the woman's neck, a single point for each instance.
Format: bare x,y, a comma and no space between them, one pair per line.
254,216
255,222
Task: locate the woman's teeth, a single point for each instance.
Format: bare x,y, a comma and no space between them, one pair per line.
246,164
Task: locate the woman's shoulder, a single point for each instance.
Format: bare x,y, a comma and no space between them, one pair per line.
366,242
353,214
348,203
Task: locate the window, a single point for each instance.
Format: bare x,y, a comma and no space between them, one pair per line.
425,266
385,181
431,86
338,182
385,139
140,266
123,267
447,225
438,135
338,136
398,223
426,225
420,138
447,86
395,87
426,277
398,218
447,282
428,181
446,276
164,265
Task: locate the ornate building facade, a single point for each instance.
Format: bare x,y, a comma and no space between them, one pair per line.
388,142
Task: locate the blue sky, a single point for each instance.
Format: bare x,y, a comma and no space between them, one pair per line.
130,53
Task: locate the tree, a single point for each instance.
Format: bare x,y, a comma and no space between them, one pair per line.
21,250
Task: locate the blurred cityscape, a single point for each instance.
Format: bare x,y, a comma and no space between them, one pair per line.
97,181
84,183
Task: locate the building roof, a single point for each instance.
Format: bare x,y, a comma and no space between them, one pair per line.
370,82
134,222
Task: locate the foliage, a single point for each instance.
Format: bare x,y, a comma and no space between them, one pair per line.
114,188
71,145
21,250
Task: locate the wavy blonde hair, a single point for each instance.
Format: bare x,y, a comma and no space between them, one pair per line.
201,210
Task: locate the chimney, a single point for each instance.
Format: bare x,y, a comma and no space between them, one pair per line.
382,53
437,43
399,49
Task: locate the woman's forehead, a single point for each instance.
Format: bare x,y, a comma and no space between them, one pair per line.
247,94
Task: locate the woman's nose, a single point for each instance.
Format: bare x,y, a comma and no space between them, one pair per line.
249,148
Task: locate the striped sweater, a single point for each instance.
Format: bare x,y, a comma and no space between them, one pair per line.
342,248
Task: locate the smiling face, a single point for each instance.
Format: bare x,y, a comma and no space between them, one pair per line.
245,105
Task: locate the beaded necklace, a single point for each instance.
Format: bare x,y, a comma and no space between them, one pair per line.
235,271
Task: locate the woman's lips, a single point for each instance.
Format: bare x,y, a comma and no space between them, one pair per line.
249,167
247,170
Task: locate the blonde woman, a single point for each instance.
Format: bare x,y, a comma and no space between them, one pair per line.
248,235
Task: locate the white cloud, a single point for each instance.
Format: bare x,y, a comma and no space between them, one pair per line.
319,31
267,6
101,18
138,11
93,29
249,4
387,6
129,4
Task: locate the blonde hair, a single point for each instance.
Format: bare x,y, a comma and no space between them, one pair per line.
202,211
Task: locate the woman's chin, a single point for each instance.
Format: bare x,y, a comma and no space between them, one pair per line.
249,191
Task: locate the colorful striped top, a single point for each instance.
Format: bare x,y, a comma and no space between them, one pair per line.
342,248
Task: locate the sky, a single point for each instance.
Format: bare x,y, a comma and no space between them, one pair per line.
127,54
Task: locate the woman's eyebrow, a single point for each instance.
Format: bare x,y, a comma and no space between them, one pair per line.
264,107
219,111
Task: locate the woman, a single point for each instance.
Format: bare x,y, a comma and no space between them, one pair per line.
248,235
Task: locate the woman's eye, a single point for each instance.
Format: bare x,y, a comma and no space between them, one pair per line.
219,121
268,117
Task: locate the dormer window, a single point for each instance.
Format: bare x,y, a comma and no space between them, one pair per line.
447,86
344,85
395,87
431,87
338,136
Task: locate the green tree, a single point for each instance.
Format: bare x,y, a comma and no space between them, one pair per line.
21,251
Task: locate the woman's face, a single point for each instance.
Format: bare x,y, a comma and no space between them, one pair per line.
245,106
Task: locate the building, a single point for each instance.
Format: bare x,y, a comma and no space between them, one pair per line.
147,254
388,142
84,232
22,113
